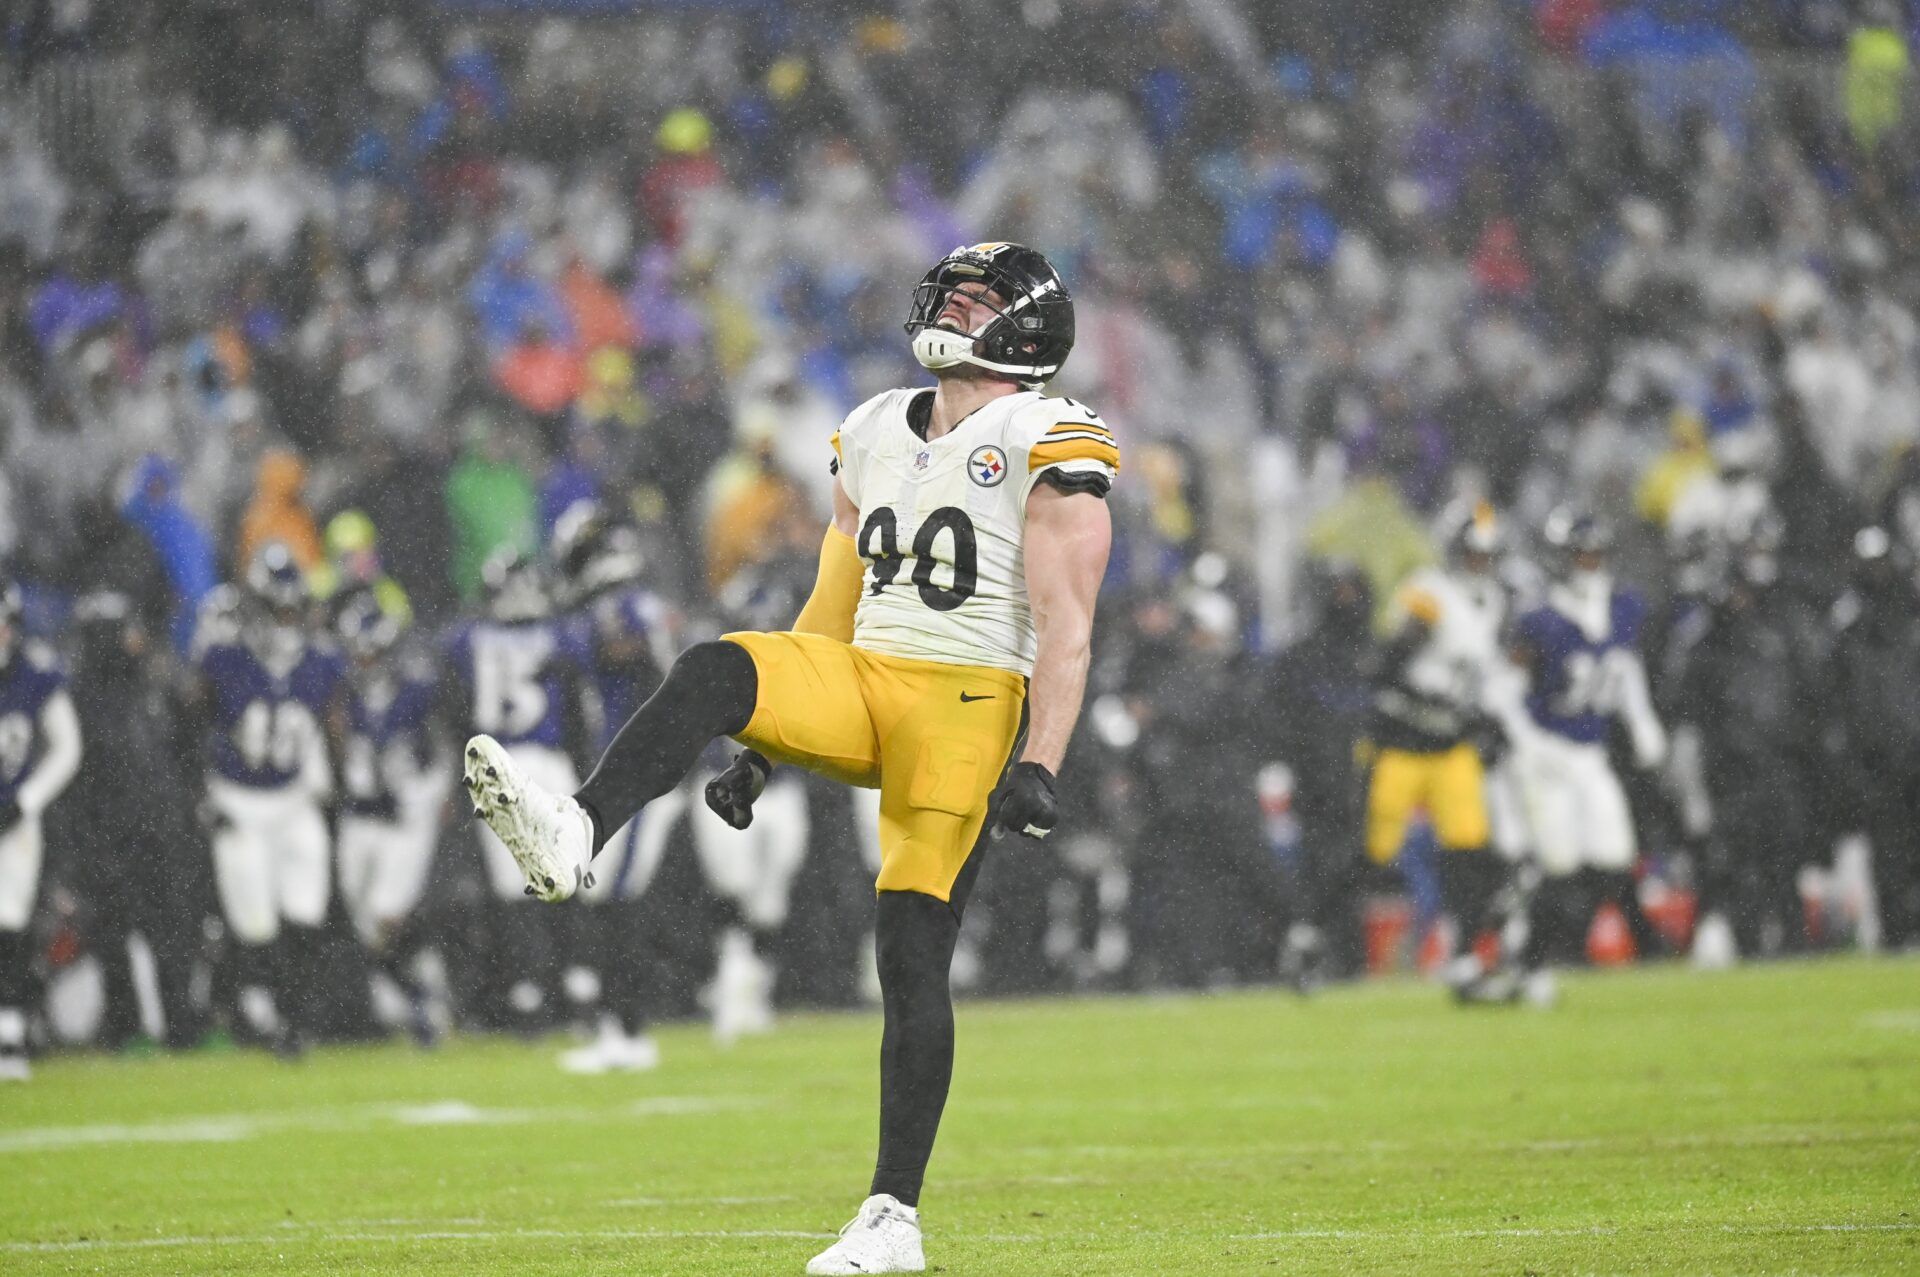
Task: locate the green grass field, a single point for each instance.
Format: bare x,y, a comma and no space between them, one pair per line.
1766,1120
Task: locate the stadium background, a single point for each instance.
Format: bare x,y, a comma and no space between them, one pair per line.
1338,266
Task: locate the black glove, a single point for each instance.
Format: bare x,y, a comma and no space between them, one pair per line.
1025,803
1489,739
731,794
210,818
10,814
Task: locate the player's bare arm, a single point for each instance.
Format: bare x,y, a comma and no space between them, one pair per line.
1069,537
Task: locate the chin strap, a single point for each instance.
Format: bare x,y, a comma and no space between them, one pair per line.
938,348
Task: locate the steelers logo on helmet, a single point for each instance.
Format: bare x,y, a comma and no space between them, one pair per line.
1029,333
987,466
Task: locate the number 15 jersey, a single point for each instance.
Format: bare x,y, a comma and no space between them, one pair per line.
943,521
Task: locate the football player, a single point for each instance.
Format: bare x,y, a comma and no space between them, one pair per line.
941,658
620,625
1579,653
265,687
1433,728
515,675
39,754
393,783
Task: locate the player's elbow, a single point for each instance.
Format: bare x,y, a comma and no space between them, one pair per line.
1064,627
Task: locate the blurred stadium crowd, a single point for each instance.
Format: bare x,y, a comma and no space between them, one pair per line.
397,287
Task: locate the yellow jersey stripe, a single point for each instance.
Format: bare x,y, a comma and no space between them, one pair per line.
1065,426
1053,452
1421,606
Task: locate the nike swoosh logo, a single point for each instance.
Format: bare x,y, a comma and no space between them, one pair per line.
966,699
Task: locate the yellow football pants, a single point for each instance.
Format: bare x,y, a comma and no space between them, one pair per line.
1451,785
932,738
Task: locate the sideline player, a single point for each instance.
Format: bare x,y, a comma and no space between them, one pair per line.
941,658
515,674
1435,727
393,782
266,685
619,626
39,754
1580,652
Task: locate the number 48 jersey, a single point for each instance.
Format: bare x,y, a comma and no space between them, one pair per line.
266,701
943,521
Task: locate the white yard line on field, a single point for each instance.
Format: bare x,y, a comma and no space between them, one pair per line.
696,1201
1467,1234
324,1236
447,1235
229,1127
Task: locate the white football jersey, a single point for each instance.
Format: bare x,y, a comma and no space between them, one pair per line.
1464,612
943,523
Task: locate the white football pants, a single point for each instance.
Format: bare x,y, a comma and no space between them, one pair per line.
754,867
20,853
1575,808
269,859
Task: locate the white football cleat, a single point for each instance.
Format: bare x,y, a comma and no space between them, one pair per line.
612,1051
636,1054
1713,944
1540,990
14,1067
549,834
883,1238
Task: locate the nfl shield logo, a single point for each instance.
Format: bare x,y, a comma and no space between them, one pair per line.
987,466
923,460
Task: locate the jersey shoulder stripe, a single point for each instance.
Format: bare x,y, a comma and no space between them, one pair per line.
1070,428
1086,447
1421,604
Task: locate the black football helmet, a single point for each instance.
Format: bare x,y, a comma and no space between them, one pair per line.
592,553
1031,332
276,584
513,587
1473,532
365,630
1572,534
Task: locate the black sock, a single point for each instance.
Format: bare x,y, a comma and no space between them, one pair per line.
709,692
396,964
914,939
1544,923
15,978
1468,880
293,976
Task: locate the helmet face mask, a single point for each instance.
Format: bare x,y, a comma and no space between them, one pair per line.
1029,333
